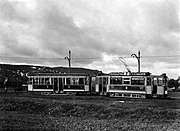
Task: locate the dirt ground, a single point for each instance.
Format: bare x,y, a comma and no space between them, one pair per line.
32,111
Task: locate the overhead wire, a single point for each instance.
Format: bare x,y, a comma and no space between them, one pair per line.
160,56
85,58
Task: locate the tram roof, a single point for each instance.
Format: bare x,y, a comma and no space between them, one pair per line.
57,74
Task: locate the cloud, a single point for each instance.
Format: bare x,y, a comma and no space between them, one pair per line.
96,32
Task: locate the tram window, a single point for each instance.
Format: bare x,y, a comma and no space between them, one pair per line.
164,82
33,80
30,81
126,78
36,81
127,82
93,78
137,81
81,81
105,80
97,80
155,81
74,81
43,81
52,82
160,81
68,81
100,80
64,81
40,81
148,81
116,80
47,82
86,80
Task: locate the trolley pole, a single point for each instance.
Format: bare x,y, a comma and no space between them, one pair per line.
69,61
138,58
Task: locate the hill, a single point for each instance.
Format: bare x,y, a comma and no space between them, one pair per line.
20,71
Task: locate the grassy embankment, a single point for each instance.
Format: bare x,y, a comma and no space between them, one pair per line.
23,111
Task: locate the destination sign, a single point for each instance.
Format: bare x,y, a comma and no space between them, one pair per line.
131,74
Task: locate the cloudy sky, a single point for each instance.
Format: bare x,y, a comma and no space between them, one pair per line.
97,32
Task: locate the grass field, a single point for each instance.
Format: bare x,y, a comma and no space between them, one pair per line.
30,111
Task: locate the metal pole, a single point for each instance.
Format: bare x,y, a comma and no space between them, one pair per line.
69,61
138,58
138,61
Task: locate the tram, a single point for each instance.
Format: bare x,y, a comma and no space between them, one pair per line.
117,84
135,84
58,83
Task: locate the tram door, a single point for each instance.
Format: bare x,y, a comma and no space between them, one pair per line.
100,86
105,82
55,85
103,85
149,87
60,84
155,84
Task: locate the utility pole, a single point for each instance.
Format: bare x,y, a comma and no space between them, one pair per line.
138,58
69,61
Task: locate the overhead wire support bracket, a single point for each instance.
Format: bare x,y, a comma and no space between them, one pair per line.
69,61
138,58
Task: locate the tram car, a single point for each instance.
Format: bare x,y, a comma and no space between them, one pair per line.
118,84
135,84
59,83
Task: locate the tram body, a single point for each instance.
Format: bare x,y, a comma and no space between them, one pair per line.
121,84
125,84
58,83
